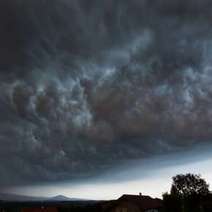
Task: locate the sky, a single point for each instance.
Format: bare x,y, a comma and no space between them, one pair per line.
152,176
87,86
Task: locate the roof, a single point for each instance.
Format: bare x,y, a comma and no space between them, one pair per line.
144,202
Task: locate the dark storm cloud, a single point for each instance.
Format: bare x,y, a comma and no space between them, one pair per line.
86,84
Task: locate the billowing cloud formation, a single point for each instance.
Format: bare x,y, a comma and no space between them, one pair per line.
88,84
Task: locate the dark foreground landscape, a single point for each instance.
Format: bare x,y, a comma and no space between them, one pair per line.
126,203
188,193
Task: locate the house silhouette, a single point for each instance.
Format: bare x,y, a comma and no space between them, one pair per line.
134,203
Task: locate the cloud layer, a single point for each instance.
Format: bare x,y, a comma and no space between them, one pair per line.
86,85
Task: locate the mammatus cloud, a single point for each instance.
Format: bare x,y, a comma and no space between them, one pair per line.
85,85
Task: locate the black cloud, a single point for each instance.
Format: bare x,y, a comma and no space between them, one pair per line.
86,84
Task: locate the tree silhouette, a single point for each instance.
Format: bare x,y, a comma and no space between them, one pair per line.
189,185
171,203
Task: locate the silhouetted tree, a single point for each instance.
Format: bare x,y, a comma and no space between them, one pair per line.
187,194
171,203
189,185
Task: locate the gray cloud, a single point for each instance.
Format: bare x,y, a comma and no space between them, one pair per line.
85,85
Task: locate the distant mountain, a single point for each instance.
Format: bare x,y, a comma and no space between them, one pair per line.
16,197
62,198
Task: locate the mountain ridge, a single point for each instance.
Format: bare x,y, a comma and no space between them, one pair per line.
19,198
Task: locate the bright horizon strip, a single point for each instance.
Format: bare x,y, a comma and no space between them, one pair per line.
151,177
